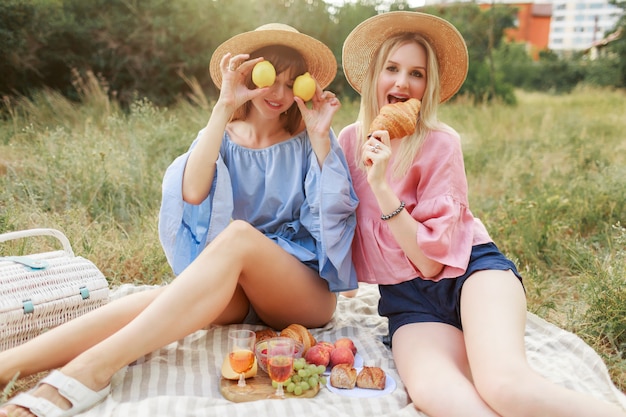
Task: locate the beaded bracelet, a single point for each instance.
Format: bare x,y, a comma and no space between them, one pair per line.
394,213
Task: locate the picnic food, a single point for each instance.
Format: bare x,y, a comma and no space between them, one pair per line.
399,119
341,355
371,377
265,334
263,74
343,376
318,355
306,376
346,342
299,333
304,86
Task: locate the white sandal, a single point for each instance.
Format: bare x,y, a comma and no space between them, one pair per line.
81,397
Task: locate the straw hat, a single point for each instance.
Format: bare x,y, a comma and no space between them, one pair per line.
320,60
365,39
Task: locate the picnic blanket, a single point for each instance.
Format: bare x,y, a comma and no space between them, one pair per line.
183,378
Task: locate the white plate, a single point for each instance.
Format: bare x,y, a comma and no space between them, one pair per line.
358,363
390,385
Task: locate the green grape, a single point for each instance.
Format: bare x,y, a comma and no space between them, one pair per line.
290,387
305,386
287,382
297,390
274,384
304,373
298,364
321,369
314,381
323,380
296,378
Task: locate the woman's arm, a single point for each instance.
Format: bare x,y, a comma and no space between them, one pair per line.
200,167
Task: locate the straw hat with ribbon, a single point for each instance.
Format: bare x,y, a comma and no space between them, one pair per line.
365,39
320,60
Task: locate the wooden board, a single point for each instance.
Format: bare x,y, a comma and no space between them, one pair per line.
257,388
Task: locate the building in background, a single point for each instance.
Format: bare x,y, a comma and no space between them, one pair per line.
578,24
563,26
532,26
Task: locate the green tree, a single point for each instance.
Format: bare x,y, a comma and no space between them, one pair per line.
483,32
619,45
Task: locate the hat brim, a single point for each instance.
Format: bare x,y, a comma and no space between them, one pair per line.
448,43
320,60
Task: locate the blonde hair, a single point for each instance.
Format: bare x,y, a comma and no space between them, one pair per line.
427,120
283,58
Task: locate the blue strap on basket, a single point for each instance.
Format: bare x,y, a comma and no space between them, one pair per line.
26,261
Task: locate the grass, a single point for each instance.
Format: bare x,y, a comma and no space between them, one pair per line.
546,177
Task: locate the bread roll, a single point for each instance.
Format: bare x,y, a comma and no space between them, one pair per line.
371,377
343,376
265,334
301,334
399,119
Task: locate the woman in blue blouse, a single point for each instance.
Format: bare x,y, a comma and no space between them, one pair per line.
257,221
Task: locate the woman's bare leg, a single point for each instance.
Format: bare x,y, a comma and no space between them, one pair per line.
240,259
432,363
493,309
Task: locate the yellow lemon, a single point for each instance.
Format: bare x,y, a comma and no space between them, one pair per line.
263,74
304,86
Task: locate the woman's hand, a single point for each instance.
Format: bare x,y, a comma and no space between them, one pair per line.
318,119
235,70
376,152
319,116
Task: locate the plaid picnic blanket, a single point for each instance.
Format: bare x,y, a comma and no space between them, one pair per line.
183,378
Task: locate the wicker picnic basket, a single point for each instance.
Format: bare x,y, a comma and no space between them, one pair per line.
42,290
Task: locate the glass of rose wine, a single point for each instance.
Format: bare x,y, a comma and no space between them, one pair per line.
280,351
241,352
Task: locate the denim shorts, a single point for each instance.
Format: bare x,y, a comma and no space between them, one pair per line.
423,301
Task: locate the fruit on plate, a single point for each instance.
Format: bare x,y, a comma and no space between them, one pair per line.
263,74
318,355
326,346
228,373
304,86
341,355
346,342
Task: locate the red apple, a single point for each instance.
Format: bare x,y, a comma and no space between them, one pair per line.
326,345
317,355
346,342
341,355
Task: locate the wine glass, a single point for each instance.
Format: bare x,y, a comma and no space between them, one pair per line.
280,351
241,352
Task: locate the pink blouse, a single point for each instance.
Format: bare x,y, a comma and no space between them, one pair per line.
435,192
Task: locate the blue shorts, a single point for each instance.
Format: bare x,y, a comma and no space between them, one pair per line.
423,301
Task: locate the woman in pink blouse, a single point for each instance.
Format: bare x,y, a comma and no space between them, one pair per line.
456,305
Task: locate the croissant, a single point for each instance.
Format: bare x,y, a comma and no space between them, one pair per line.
371,377
343,376
301,334
399,119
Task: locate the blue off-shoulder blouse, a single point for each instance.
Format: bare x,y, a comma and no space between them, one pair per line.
282,192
